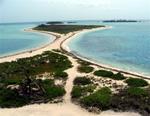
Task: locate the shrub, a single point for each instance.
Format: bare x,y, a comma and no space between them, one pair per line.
131,99
11,98
118,76
85,69
60,74
100,99
134,91
54,91
84,63
136,82
103,73
51,90
82,81
76,92
12,80
79,91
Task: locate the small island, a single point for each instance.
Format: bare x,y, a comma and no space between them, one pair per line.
120,21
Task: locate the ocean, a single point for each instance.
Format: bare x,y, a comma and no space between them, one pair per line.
13,39
126,46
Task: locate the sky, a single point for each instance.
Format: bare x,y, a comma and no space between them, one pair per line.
57,10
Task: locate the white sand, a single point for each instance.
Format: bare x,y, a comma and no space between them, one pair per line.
63,109
67,108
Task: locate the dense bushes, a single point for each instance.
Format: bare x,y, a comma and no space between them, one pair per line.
136,82
135,99
30,91
100,99
118,76
46,62
109,74
79,91
103,73
60,74
134,91
82,81
11,98
85,69
76,92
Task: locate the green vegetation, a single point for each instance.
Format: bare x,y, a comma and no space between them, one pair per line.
109,74
61,75
83,63
11,98
64,29
79,91
30,91
135,91
85,69
82,81
14,72
118,76
136,82
135,99
51,90
103,73
19,85
100,99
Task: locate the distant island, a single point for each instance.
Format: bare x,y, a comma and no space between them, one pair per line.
118,21
55,22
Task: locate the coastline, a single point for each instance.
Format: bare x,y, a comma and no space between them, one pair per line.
31,52
66,107
66,48
60,42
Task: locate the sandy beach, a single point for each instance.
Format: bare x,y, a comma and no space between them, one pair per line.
67,108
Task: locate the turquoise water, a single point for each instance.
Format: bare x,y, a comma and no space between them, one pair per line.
13,39
125,46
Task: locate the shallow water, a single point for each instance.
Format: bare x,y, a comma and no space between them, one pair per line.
13,39
125,46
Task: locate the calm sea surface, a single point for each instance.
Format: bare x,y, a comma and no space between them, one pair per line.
125,46
13,39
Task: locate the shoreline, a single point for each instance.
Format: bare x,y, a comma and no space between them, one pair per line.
66,49
55,37
32,52
60,42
